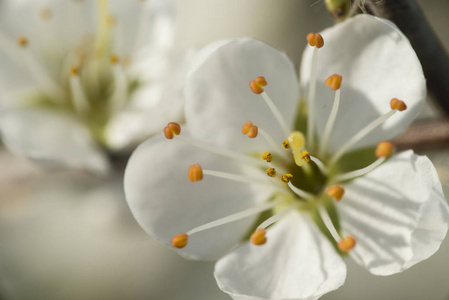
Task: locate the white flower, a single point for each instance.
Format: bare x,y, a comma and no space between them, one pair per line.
392,212
81,77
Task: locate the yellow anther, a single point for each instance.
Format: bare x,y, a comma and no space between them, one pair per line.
305,156
336,192
334,81
285,144
257,85
384,149
267,156
315,40
22,41
286,178
171,130
397,104
180,240
259,237
195,173
114,59
346,243
45,14
271,172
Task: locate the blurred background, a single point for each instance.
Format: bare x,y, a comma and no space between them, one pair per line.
70,235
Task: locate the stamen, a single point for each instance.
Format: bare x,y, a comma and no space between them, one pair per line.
271,172
220,151
315,40
285,144
234,217
276,113
180,240
259,237
171,130
347,243
257,85
267,156
383,151
22,41
299,192
334,82
273,219
328,222
250,130
287,177
336,192
305,156
119,96
320,165
80,102
195,173
397,104
362,133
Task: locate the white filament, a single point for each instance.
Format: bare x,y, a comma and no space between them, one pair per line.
277,217
361,134
277,114
79,98
360,172
234,217
311,99
330,123
300,192
328,222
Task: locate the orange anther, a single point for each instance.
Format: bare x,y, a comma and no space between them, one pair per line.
397,104
346,243
336,192
257,85
259,237
180,240
171,130
74,71
315,40
334,81
114,59
286,178
22,41
195,173
249,129
384,149
267,156
246,127
271,172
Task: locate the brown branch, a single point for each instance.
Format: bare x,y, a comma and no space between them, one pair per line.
425,135
407,15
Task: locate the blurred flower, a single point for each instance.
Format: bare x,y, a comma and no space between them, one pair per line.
391,212
81,77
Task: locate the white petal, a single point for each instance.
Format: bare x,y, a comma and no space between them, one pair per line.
377,63
51,137
219,100
297,262
166,203
397,213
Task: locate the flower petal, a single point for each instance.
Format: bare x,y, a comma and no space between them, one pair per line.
397,213
297,262
166,203
377,63
51,137
219,100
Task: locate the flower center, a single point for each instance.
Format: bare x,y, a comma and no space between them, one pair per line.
302,181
